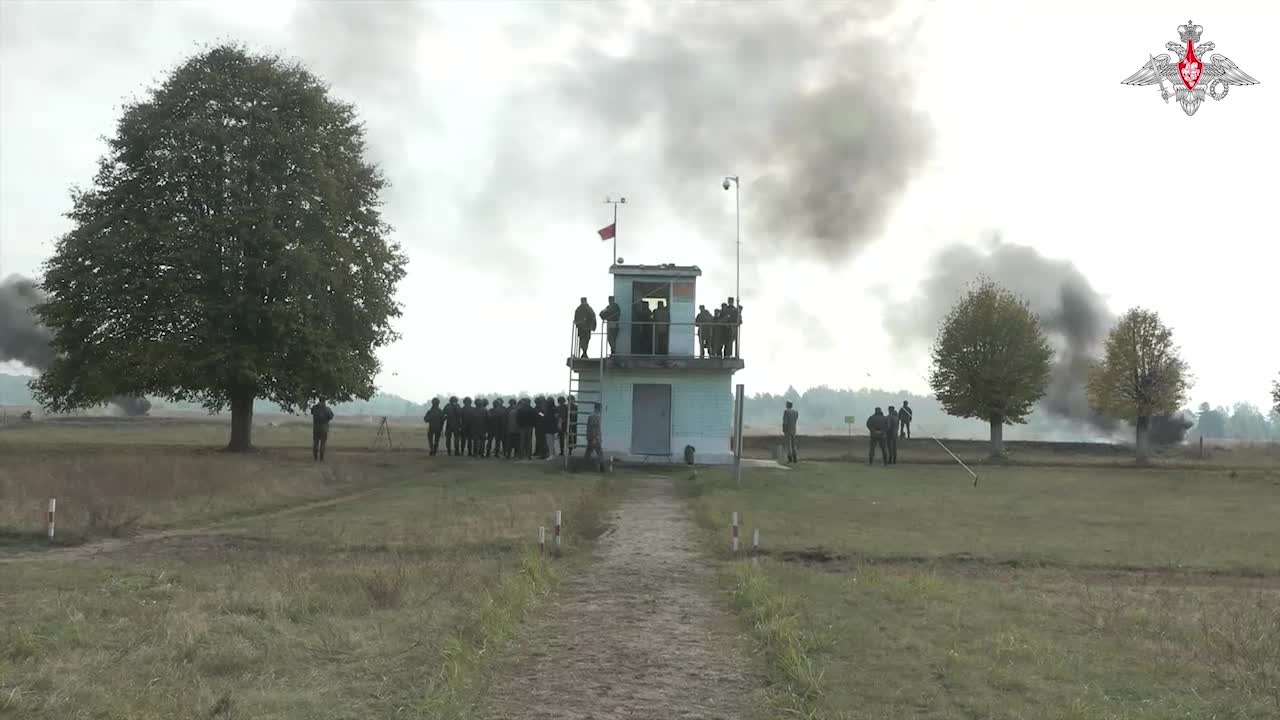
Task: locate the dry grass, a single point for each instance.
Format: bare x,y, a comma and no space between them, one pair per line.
924,450
389,606
114,493
1046,592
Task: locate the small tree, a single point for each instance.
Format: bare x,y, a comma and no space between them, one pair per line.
1275,396
990,359
1140,375
231,249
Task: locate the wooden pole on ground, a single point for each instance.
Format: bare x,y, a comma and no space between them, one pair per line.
542,541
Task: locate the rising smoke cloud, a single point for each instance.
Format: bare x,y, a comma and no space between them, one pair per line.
814,101
24,340
1073,314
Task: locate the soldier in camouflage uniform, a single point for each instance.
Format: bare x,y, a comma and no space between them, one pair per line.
321,416
611,315
497,429
468,419
435,423
480,429
453,427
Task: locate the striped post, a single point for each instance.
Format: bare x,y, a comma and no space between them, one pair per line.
53,506
734,536
755,540
557,529
542,541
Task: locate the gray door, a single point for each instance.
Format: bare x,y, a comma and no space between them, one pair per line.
651,420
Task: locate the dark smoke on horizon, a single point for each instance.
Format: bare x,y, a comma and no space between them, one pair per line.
24,340
1074,316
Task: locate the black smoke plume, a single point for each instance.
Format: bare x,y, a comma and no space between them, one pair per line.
809,103
24,340
1074,316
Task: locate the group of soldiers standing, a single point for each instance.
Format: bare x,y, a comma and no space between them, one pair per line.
515,429
651,328
885,430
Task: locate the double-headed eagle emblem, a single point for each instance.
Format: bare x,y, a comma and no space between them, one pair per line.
1196,77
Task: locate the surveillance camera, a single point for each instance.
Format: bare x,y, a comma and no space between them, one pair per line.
726,183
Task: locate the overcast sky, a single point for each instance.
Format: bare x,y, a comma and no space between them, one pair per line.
869,136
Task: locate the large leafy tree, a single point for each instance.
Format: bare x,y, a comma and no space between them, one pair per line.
232,248
990,359
1140,375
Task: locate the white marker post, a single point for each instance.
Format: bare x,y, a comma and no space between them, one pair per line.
755,540
557,530
542,541
734,541
53,506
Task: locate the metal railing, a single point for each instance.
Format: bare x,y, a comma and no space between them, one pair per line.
650,339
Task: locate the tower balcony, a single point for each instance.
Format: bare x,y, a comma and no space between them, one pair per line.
647,345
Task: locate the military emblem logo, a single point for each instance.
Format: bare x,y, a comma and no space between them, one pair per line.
1197,78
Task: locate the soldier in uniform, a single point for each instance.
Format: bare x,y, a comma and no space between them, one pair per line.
321,416
593,439
891,438
611,314
513,430
468,419
435,423
703,323
642,332
584,319
717,332
878,425
497,429
539,436
661,328
453,427
562,421
789,419
731,341
904,416
527,420
480,428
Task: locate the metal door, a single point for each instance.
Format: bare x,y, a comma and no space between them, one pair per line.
651,419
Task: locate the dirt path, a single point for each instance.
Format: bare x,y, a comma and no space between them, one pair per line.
639,633
99,547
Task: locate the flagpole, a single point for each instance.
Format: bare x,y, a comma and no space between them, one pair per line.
615,204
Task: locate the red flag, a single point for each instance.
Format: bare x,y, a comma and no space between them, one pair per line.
607,232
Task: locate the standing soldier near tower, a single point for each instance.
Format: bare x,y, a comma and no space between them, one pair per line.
435,423
453,427
468,420
661,328
584,319
321,416
789,420
904,416
878,425
611,314
703,322
642,333
480,428
891,438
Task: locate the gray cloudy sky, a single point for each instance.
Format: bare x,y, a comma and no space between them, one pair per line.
871,138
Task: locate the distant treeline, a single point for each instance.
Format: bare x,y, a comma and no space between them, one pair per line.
822,411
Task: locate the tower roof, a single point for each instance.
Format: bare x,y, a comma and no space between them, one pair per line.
667,269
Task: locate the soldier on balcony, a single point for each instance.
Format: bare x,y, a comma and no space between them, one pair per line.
661,328
584,319
611,314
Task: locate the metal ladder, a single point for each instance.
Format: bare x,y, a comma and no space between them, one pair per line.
585,398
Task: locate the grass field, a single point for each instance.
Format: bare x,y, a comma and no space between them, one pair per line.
1045,592
386,606
1067,584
